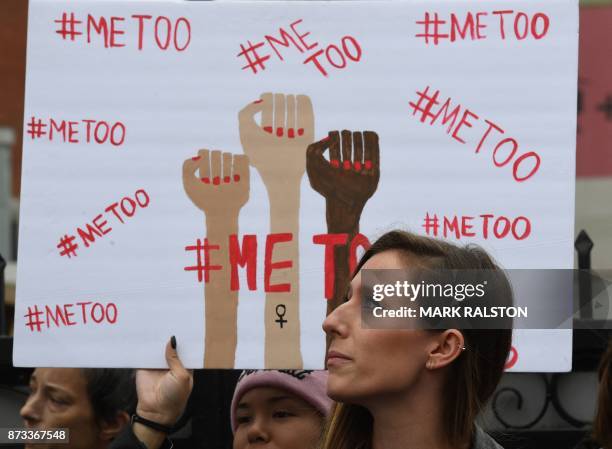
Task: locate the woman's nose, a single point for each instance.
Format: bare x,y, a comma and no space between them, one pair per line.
334,324
30,412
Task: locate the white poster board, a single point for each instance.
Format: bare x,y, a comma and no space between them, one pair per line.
470,109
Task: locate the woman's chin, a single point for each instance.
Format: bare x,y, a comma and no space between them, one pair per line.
339,388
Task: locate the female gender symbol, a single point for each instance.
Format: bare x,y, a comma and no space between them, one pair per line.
280,314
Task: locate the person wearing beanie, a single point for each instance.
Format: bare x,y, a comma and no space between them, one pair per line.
273,409
284,409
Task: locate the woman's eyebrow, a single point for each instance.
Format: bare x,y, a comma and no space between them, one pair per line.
57,389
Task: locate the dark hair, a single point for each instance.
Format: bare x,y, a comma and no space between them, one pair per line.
472,377
602,429
110,391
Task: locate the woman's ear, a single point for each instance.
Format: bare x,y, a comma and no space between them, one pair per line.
450,344
110,429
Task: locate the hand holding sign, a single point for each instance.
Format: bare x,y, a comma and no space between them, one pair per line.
162,395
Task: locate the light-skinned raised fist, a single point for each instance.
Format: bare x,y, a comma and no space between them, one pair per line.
216,182
276,145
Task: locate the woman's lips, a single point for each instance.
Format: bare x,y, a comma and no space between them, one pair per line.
335,358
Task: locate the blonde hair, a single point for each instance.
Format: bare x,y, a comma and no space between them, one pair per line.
349,426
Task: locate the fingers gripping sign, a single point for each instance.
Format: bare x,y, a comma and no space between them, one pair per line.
162,395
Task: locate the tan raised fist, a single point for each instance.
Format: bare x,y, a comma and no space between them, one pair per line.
277,145
221,184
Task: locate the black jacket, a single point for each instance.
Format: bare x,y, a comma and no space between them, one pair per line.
127,440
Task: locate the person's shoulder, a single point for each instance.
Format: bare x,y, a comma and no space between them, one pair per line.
483,440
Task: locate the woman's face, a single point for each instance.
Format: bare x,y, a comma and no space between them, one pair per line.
272,418
366,364
59,399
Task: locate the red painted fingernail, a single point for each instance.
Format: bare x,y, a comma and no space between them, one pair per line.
268,129
357,165
279,132
236,178
325,138
301,132
335,163
216,180
291,133
206,180
226,179
257,101
347,165
195,158
368,165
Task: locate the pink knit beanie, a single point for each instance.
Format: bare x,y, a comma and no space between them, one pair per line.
309,385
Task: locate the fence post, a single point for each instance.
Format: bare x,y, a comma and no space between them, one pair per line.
584,246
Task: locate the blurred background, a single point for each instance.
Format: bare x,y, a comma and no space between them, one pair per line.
529,410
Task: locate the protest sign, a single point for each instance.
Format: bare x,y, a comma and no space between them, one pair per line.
214,170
